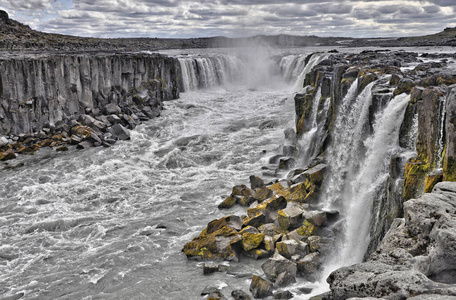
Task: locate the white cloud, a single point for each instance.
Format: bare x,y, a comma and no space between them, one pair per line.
180,18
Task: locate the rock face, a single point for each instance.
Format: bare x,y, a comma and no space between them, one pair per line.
39,92
417,255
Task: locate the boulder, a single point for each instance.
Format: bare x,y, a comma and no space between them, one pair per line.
3,141
7,155
416,256
256,253
210,268
283,295
240,295
249,229
262,193
251,240
290,248
316,217
291,217
309,267
276,265
260,288
283,280
111,109
119,132
256,182
269,208
220,240
255,221
314,243
269,229
229,202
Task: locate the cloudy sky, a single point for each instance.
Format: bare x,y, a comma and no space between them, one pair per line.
188,18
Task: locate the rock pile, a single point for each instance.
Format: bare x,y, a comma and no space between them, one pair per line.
281,225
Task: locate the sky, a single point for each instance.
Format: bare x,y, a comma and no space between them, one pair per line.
237,18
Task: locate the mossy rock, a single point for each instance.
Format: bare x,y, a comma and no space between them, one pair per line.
414,178
307,229
431,180
365,80
251,240
262,194
7,155
221,244
229,202
405,85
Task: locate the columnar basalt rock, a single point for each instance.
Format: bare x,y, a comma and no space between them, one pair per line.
50,96
38,92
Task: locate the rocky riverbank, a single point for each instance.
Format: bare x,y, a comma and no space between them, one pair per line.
83,100
285,224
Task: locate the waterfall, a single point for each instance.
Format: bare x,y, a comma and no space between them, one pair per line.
309,140
371,177
292,65
314,60
359,163
206,72
441,140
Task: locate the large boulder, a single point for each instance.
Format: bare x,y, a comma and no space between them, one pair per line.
220,240
260,288
277,265
417,255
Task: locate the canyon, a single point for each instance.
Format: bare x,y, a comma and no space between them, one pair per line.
350,158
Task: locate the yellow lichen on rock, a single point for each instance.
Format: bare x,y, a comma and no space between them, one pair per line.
251,240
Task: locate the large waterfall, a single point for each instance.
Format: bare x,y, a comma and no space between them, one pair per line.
205,72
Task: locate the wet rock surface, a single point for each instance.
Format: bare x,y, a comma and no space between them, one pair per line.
416,257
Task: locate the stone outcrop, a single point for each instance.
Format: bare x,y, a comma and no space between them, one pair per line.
53,100
416,257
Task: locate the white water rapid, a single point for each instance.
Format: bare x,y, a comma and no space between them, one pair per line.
110,223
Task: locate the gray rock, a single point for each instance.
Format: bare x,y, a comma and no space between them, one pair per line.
3,141
276,265
256,182
283,295
283,280
240,295
209,290
417,255
119,132
290,248
260,288
111,109
309,266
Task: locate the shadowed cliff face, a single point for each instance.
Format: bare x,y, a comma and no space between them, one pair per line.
48,91
425,141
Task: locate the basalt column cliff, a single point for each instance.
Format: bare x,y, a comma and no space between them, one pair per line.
82,96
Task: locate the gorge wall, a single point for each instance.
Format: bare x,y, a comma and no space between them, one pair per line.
55,93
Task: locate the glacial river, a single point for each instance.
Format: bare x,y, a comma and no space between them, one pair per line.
110,223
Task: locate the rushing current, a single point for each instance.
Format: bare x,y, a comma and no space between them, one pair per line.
110,223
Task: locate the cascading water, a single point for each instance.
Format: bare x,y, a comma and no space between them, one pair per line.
292,65
371,177
309,139
359,169
206,72
314,60
441,132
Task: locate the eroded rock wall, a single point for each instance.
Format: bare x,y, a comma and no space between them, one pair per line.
45,91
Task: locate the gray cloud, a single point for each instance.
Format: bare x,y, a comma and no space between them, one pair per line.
191,18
